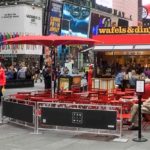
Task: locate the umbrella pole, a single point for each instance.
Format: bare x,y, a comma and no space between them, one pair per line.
52,88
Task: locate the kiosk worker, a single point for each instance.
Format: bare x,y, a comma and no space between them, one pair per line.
2,80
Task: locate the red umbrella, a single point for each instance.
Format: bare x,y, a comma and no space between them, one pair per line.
51,40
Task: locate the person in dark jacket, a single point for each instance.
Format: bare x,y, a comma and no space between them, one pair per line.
47,77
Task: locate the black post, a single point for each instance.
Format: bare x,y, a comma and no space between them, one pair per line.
52,55
139,138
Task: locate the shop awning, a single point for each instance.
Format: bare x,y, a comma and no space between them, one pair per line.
123,42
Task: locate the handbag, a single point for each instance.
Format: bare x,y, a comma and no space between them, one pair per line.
3,90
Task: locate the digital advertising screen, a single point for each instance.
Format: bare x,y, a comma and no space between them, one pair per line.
98,21
75,20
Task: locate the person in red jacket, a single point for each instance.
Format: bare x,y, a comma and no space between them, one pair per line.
2,80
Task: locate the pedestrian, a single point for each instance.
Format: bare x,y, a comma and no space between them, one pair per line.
47,77
37,74
2,80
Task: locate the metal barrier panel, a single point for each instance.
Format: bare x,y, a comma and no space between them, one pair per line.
18,111
95,119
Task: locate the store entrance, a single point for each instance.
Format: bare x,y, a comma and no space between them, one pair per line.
108,63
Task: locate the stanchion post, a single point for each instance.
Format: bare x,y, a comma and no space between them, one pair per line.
2,99
52,55
140,89
36,119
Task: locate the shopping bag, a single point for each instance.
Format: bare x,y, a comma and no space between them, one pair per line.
3,90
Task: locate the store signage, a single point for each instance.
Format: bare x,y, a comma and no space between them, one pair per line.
125,30
9,16
33,18
118,13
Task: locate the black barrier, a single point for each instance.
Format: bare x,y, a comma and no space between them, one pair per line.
96,119
18,111
19,83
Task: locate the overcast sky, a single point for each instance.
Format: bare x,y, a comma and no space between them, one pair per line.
107,3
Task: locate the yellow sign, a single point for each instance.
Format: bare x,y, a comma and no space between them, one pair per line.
54,24
125,30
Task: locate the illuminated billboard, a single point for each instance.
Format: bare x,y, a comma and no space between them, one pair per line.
75,20
98,21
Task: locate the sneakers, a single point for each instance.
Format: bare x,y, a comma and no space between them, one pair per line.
133,127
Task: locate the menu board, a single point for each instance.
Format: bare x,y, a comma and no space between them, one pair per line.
76,80
140,86
64,83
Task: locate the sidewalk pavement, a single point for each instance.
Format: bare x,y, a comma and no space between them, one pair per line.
15,137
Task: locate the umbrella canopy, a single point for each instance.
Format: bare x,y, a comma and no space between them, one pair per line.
51,40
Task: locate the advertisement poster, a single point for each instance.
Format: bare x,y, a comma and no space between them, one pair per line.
55,18
19,20
75,20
